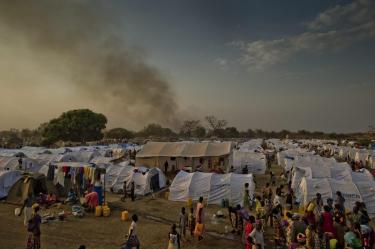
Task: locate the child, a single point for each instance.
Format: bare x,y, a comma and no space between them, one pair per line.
174,238
257,237
191,221
183,222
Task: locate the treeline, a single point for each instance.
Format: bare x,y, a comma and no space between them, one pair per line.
84,125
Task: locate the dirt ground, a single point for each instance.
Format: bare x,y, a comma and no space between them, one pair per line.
155,215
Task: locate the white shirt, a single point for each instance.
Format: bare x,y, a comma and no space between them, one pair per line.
133,227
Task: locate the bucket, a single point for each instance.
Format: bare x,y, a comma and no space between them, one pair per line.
124,215
98,211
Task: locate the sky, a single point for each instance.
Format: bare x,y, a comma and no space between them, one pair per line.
296,64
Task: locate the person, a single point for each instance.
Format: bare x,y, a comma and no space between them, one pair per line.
91,200
72,198
125,191
82,247
279,236
20,163
246,197
173,238
132,235
318,201
298,227
277,202
256,236
165,167
310,234
132,191
327,221
330,205
33,229
340,200
249,227
338,215
191,221
272,178
232,215
199,216
340,231
26,208
352,239
289,200
51,199
267,192
183,222
301,240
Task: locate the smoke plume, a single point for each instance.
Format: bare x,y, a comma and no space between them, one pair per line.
82,43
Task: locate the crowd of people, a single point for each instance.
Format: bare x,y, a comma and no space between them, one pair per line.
319,225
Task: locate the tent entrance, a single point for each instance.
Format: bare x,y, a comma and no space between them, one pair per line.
154,184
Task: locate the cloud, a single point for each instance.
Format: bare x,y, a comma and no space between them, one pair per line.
332,30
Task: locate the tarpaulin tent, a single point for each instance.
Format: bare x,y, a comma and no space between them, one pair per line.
352,191
213,187
11,163
255,162
7,180
29,183
145,179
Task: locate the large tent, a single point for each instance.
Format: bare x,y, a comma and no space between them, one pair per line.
7,180
204,156
145,179
255,162
213,187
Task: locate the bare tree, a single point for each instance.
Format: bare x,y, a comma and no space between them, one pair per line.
214,123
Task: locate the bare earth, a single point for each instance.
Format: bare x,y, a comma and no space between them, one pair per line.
156,215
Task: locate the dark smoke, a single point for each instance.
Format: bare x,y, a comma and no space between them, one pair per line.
83,35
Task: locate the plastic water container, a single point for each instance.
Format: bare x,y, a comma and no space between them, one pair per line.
98,211
124,215
106,211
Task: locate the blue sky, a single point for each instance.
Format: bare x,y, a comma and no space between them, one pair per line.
297,64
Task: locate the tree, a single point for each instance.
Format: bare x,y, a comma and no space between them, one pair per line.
77,126
231,132
156,130
199,132
119,133
215,123
188,127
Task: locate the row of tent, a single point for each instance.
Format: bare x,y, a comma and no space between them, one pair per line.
214,188
310,174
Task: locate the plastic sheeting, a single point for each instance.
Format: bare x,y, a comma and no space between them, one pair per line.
255,162
212,187
117,174
362,189
7,179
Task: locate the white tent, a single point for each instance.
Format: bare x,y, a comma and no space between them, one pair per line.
7,179
144,178
362,190
255,162
212,187
46,159
84,156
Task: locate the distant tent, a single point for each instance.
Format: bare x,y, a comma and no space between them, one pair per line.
11,163
213,187
7,180
29,183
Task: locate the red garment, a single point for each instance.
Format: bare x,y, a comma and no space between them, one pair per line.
92,199
248,229
328,223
